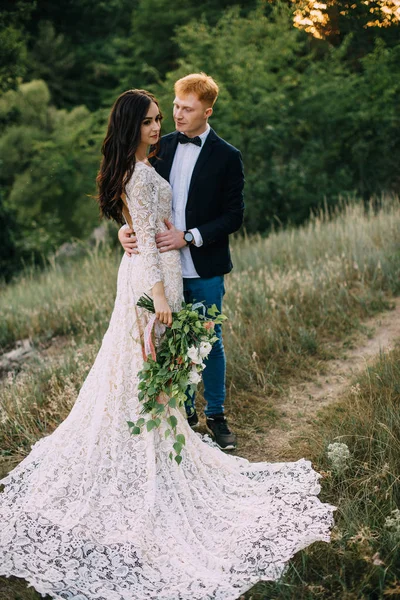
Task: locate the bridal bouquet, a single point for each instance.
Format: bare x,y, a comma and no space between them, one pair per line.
175,367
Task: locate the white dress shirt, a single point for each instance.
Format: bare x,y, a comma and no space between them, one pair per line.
185,158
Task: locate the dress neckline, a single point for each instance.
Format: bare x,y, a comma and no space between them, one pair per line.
141,162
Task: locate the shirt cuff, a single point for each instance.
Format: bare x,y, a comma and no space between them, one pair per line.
198,240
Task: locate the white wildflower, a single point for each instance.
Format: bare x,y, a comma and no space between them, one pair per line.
393,522
205,349
194,355
339,455
376,560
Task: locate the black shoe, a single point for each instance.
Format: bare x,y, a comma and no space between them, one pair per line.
193,419
224,438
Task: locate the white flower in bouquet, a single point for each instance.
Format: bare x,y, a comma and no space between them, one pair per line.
194,376
194,355
205,349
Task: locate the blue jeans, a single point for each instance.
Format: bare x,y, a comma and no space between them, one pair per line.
210,291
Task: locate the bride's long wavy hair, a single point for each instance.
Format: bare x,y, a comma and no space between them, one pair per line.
119,148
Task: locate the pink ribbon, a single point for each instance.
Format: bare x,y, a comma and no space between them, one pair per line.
149,348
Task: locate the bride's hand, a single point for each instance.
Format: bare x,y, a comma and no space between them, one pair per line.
163,311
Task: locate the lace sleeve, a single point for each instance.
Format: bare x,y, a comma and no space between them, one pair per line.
142,195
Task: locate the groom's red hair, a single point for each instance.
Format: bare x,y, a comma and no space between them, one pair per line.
204,86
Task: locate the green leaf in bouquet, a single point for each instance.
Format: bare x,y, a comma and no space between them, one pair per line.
213,310
181,397
131,424
173,421
181,439
172,402
177,447
140,422
135,430
178,459
167,433
150,425
146,302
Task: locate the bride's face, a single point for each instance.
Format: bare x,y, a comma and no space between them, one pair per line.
151,125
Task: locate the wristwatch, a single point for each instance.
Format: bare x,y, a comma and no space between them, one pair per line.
188,237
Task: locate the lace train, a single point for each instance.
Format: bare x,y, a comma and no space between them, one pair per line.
94,513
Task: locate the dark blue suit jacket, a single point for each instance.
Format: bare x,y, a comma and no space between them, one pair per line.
215,201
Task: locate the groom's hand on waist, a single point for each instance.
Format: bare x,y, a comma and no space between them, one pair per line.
128,240
171,239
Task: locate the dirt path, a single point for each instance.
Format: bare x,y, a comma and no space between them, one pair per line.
302,402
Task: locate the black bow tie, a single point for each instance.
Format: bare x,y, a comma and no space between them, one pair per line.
184,139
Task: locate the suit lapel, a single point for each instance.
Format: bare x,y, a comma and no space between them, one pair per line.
167,154
203,157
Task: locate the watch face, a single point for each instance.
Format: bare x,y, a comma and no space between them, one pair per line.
188,237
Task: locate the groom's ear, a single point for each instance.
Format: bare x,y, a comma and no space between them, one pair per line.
209,112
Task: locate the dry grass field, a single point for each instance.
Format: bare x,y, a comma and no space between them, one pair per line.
296,301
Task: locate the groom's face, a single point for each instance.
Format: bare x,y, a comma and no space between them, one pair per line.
190,115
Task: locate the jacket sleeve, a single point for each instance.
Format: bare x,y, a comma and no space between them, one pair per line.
142,198
231,218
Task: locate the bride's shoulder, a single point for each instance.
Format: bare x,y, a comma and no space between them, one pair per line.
143,173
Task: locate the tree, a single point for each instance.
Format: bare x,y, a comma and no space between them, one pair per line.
258,85
152,50
13,49
10,257
74,48
50,160
310,127
364,20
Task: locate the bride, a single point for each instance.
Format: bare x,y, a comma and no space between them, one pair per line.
94,512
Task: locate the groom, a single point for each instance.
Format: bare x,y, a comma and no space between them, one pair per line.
206,175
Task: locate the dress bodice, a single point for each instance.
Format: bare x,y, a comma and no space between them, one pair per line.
145,175
149,198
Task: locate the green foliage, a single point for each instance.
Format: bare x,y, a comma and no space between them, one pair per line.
289,296
151,49
315,122
13,57
9,256
13,47
166,374
363,558
354,19
323,276
75,48
49,163
309,127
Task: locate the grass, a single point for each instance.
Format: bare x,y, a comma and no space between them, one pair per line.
363,559
289,294
290,299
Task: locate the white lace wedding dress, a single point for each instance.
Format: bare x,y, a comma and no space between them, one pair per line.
96,513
